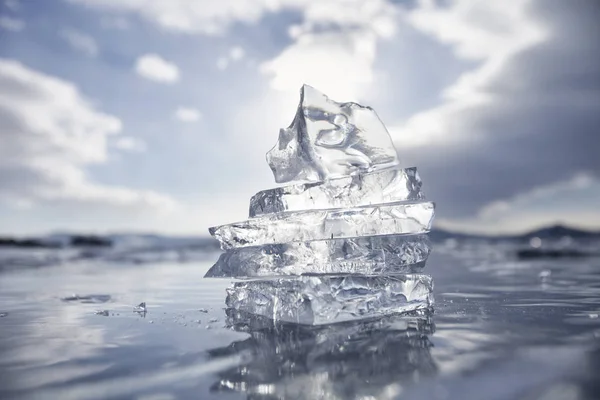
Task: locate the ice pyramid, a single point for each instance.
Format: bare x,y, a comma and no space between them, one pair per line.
345,239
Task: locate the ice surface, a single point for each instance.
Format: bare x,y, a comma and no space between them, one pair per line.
303,226
328,139
389,185
367,255
330,299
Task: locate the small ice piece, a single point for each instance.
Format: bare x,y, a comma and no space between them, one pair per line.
367,255
328,139
545,275
304,226
3,314
317,300
203,310
389,185
104,313
140,308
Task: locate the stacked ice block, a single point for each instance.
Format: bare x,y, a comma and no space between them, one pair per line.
345,239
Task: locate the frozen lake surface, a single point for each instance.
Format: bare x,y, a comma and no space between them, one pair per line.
502,329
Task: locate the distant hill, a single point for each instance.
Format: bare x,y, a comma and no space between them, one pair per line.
558,231
551,232
119,241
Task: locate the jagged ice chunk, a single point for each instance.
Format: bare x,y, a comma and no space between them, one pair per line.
329,299
304,226
377,187
367,255
328,139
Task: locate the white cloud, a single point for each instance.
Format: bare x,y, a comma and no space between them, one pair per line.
236,53
336,63
487,32
335,48
156,68
339,35
188,114
205,16
129,143
11,24
80,41
49,134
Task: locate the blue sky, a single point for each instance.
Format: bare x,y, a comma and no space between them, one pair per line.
156,115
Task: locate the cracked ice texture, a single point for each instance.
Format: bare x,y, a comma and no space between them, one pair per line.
304,226
328,139
368,255
330,299
389,185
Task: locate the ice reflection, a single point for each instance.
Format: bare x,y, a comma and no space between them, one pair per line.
368,359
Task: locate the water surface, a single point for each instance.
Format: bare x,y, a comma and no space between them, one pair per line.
502,329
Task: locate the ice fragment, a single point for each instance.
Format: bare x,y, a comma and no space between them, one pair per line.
328,139
367,255
386,219
390,185
140,308
322,299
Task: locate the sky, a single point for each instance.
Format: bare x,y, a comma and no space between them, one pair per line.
155,115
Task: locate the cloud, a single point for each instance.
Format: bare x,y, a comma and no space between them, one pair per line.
129,143
155,68
188,114
206,17
485,32
236,53
525,115
49,134
11,24
334,48
571,202
336,63
80,41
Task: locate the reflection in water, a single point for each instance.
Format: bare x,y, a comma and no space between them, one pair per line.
369,358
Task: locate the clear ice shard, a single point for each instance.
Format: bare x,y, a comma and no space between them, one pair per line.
367,255
345,239
388,185
323,299
328,139
303,226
